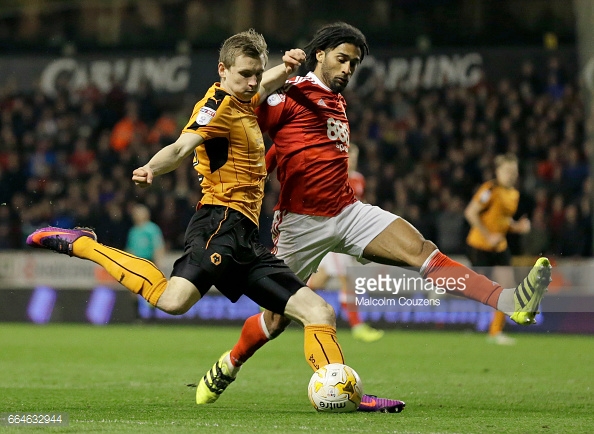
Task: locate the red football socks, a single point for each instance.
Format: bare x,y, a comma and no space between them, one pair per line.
460,280
252,338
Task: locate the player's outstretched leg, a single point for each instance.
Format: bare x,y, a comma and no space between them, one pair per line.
216,380
138,275
530,291
57,239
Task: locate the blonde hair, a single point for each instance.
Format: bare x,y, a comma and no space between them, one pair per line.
249,43
505,158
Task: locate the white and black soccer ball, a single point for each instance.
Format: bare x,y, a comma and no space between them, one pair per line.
335,388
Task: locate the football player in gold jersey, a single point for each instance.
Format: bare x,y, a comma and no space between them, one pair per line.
221,246
490,215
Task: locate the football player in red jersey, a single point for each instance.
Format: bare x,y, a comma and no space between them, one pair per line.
317,211
335,265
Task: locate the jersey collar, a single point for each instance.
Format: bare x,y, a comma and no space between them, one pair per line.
316,80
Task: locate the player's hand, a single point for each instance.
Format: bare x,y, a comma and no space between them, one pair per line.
522,226
293,59
143,176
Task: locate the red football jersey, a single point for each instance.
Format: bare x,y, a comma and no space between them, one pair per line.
308,125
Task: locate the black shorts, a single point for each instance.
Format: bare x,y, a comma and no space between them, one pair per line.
222,250
483,258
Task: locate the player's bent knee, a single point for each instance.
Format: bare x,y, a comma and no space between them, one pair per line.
307,307
173,305
427,248
179,296
325,315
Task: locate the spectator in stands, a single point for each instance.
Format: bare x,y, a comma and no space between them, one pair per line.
82,158
164,129
127,128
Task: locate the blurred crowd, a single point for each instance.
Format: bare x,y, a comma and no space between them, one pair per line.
425,152
67,160
49,26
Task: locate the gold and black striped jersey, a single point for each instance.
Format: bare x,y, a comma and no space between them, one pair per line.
231,158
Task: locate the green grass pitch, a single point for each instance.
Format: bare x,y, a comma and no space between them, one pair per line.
133,379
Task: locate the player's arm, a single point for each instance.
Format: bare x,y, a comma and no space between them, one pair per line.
472,214
276,77
167,159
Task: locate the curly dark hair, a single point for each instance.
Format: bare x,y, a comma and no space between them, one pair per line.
331,36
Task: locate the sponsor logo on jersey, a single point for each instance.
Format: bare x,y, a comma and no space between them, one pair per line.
485,196
205,115
275,99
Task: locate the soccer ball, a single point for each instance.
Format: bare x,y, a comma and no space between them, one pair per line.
335,388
